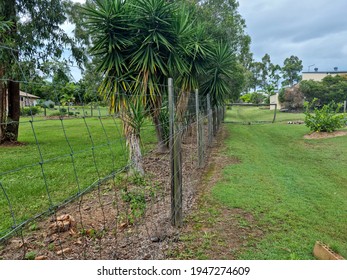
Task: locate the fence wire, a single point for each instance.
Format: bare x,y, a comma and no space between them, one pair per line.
66,193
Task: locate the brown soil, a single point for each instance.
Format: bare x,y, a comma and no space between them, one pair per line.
322,135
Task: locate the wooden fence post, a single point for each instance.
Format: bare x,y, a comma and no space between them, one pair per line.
175,162
214,120
199,132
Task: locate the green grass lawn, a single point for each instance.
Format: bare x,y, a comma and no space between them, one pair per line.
90,148
296,189
246,114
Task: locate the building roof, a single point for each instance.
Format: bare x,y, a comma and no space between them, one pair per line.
28,95
325,72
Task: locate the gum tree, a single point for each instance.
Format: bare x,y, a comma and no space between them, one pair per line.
291,69
35,35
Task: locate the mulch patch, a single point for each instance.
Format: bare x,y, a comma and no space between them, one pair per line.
323,135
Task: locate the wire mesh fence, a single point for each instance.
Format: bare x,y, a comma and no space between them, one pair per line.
66,191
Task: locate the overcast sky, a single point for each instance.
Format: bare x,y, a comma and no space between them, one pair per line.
313,30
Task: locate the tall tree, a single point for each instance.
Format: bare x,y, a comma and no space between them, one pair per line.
35,35
265,70
256,76
291,69
274,75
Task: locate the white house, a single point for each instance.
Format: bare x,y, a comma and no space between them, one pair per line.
27,99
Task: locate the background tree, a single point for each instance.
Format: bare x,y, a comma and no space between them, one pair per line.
275,75
265,71
291,69
35,35
224,23
330,89
256,73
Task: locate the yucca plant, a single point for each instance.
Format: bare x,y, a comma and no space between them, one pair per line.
133,116
141,43
155,45
219,73
195,51
133,41
111,24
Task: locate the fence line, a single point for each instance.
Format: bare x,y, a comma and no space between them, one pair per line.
86,190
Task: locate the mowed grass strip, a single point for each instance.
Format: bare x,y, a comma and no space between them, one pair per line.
296,189
94,148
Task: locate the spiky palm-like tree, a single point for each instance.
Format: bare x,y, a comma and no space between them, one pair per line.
135,43
154,53
113,32
140,43
219,73
195,46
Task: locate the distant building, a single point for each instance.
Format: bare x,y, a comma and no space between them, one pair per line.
274,100
27,99
319,75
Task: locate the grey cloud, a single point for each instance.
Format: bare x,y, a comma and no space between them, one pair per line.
315,31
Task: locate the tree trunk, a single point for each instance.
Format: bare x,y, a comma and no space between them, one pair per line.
3,107
162,143
133,142
182,106
135,155
11,133
181,109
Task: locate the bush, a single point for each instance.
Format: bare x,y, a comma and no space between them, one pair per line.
246,97
252,97
325,119
292,98
62,111
30,111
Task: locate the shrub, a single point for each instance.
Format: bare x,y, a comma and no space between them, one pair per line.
252,97
325,119
246,97
62,111
30,111
292,98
